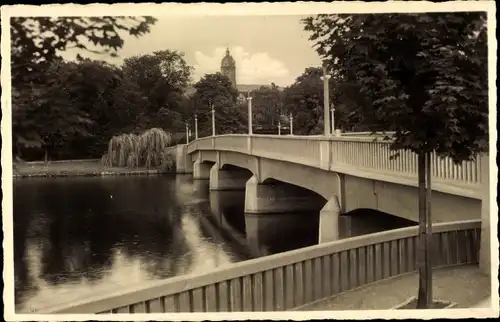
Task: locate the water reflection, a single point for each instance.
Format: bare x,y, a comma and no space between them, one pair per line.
82,237
76,237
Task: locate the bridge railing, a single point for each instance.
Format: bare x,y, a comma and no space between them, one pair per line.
361,152
295,278
377,156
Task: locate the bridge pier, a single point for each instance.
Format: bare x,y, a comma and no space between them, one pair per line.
329,218
201,170
279,197
183,161
222,179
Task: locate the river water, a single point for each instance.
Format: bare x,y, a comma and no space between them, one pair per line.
82,237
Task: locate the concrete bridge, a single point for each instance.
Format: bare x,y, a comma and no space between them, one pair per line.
283,174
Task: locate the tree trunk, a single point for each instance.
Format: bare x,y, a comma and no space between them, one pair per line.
428,232
422,300
46,157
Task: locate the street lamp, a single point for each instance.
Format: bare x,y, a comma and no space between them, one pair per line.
326,97
195,126
279,125
291,124
332,110
249,99
213,116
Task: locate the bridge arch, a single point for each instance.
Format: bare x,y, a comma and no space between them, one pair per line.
362,221
240,160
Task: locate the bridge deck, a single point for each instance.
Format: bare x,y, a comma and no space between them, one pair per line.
464,285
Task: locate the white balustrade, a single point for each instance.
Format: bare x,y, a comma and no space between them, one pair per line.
349,151
291,279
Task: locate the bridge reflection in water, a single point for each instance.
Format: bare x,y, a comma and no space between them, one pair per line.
266,234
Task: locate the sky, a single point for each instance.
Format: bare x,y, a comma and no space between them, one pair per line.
266,48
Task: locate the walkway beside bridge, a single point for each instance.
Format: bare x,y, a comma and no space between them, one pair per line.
464,285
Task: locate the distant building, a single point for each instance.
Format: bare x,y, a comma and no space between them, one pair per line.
228,68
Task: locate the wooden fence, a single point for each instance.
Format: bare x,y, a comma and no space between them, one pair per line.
291,279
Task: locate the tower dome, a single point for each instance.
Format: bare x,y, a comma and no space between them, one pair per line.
228,60
228,67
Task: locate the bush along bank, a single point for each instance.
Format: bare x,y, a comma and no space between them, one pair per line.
79,169
128,154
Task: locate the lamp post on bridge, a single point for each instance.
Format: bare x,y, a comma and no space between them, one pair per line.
195,126
249,99
291,124
326,101
213,116
332,110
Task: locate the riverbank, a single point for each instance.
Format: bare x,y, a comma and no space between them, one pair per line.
74,168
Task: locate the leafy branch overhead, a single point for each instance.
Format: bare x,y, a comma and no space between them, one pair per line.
424,74
41,39
56,102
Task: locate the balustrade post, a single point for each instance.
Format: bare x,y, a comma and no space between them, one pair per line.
484,250
249,145
325,152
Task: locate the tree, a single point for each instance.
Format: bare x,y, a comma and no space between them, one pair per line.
265,104
110,98
162,77
216,89
39,40
426,76
53,106
304,100
36,45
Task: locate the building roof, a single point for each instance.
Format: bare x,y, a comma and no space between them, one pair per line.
228,59
242,88
252,87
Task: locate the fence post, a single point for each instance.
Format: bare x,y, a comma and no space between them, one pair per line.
484,250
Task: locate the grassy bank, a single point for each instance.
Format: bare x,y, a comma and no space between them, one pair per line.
74,168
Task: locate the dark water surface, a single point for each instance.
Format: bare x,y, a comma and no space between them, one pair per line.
82,237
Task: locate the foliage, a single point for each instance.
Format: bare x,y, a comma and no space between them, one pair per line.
266,105
429,84
426,78
304,100
77,109
47,115
162,78
45,109
135,151
216,89
39,40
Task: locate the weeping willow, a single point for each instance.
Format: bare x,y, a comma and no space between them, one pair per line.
138,151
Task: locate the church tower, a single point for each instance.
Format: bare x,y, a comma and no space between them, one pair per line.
228,67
